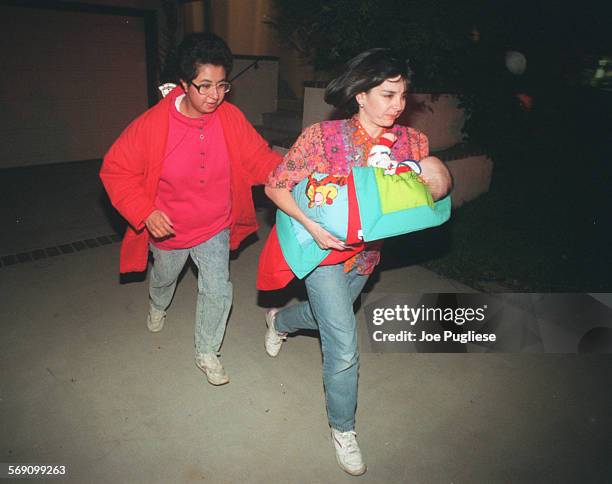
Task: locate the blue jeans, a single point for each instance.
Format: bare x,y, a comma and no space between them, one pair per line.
214,287
331,294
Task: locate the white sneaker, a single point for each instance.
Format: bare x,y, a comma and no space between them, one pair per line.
348,454
212,367
155,319
273,340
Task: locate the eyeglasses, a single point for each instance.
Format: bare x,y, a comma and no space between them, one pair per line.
222,87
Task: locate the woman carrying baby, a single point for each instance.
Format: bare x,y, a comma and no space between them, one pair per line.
372,91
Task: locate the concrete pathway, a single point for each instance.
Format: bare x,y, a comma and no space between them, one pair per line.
86,385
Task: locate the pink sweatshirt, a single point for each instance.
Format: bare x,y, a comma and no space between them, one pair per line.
194,188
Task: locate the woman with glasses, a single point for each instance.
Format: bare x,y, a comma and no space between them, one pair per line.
181,175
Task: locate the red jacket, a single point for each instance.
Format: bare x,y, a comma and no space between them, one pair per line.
132,168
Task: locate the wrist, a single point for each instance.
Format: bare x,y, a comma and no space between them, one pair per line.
308,224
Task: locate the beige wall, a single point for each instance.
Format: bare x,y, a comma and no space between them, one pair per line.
193,17
241,24
438,116
315,108
471,178
255,92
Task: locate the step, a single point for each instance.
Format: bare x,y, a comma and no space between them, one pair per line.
283,120
293,105
276,137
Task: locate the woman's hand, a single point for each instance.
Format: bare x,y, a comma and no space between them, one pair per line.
159,224
283,200
323,238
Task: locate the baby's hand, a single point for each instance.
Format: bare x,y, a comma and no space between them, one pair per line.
436,176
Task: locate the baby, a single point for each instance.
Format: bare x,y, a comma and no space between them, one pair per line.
430,169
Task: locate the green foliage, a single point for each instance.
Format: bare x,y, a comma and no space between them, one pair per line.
434,35
451,46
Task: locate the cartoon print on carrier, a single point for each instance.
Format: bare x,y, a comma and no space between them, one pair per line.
380,157
324,191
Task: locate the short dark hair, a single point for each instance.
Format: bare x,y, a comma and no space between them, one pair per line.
363,72
202,48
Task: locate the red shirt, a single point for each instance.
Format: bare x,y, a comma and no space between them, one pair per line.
194,185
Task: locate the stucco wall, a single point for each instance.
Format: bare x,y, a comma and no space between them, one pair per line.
71,82
242,24
255,91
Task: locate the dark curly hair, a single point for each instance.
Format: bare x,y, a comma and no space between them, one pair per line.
363,72
202,48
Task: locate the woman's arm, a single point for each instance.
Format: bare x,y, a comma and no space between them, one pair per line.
258,159
123,174
284,200
298,163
